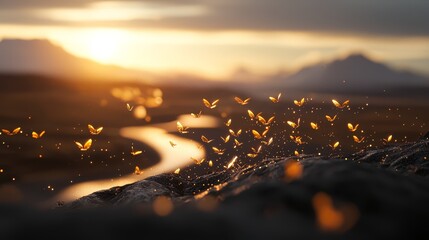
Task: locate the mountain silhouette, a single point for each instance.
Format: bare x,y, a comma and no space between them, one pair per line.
356,72
42,57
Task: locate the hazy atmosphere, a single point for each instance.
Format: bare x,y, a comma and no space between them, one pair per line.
245,119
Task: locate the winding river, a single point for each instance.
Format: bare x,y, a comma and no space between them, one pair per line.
158,137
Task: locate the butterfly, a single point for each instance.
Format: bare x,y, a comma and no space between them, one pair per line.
228,123
11,133
210,105
338,105
257,135
356,139
299,103
241,101
137,171
388,139
232,162
218,151
172,144
181,128
237,143
197,115
293,124
210,163
335,145
235,134
198,162
275,100
268,142
135,153
252,155
93,130
330,119
296,153
297,139
314,126
85,146
177,171
206,140
36,135
252,115
129,107
351,127
256,150
226,139
265,122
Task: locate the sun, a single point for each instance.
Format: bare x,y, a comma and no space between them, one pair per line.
103,45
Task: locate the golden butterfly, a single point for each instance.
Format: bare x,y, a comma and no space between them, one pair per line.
342,105
210,105
129,107
297,139
232,162
172,144
351,127
85,146
388,139
218,151
36,135
314,126
330,119
198,161
269,142
358,140
299,103
256,150
11,133
181,128
137,171
206,140
265,122
335,145
237,143
275,99
235,134
135,153
252,115
225,139
241,101
293,124
258,135
94,131
228,123
197,115
177,171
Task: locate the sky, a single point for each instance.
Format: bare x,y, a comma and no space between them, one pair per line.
217,37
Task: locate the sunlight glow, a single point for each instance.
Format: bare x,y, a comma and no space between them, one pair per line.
103,45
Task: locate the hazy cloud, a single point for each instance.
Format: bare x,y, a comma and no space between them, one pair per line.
364,17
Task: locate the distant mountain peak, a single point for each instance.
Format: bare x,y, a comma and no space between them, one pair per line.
355,72
41,56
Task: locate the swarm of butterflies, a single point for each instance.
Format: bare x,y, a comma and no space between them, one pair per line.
258,134
261,135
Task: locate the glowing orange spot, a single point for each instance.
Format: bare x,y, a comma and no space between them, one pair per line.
329,218
162,206
293,170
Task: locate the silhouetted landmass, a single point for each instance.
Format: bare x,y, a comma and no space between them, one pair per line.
42,57
387,186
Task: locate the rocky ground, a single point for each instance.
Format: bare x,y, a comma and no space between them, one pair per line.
373,194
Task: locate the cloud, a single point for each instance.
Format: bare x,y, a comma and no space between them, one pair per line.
356,17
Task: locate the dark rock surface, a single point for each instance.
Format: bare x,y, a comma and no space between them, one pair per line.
388,186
